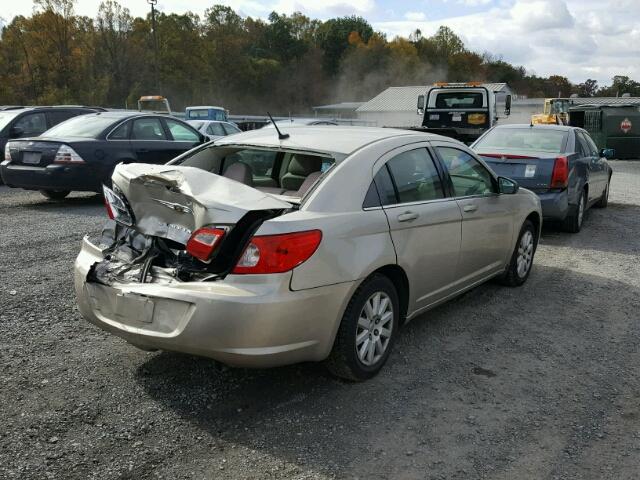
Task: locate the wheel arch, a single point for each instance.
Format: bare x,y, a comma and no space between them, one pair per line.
400,281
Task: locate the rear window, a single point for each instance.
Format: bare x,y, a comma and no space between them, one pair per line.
522,139
87,126
459,100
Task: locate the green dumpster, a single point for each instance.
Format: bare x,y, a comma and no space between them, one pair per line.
610,126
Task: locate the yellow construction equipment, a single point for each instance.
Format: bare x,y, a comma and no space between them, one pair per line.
556,112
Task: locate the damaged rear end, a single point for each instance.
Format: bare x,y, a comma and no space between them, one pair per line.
180,267
172,223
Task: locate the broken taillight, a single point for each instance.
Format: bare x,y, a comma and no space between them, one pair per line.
560,175
117,209
278,253
203,242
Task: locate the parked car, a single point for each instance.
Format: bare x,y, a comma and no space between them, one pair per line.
18,122
213,129
81,153
559,163
351,232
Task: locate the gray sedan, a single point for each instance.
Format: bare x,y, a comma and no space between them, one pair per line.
258,251
561,164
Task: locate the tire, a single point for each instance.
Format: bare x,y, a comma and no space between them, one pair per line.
363,323
573,222
522,257
604,199
55,194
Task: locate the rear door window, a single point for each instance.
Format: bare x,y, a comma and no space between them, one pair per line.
32,124
590,145
581,145
59,116
147,129
468,176
230,129
181,133
381,190
121,133
415,176
216,130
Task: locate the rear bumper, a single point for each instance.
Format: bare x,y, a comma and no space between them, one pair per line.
555,205
52,177
241,321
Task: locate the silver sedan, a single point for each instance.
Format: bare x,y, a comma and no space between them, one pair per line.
264,250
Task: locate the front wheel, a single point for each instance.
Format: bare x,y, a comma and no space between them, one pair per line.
55,194
522,258
367,331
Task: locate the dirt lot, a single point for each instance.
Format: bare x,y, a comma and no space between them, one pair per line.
536,382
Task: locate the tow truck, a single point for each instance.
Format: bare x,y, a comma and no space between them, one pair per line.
154,104
463,111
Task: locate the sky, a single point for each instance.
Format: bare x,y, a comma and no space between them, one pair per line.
579,39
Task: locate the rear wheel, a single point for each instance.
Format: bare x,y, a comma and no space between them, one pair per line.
55,194
573,222
522,258
367,331
604,199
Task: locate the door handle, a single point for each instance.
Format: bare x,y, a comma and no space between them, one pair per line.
470,208
407,216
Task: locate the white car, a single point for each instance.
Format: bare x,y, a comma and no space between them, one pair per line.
214,129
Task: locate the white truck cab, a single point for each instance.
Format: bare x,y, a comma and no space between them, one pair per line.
461,110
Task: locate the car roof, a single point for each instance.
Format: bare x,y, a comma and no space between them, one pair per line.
564,128
122,114
205,106
322,138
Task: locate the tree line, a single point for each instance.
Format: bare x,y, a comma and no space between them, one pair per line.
285,64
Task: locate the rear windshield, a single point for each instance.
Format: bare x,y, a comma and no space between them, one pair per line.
274,171
459,100
87,126
528,139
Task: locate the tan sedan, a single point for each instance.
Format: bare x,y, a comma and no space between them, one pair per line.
264,250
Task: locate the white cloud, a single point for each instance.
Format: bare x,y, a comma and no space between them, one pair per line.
325,8
579,39
415,16
542,14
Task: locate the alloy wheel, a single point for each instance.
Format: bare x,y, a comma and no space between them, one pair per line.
525,254
374,330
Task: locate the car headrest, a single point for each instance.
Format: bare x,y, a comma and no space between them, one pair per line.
303,165
240,172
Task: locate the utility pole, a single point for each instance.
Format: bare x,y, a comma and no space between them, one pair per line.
155,43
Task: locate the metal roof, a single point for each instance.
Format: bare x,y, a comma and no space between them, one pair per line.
605,101
400,99
339,106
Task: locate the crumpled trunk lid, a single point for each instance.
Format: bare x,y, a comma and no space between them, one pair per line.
167,203
172,201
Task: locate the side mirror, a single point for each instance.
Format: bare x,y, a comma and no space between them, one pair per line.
507,106
507,186
607,153
420,109
16,132
203,138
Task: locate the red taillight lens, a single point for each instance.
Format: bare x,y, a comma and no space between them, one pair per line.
204,241
560,175
278,253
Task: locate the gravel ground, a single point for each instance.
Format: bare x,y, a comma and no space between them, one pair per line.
536,382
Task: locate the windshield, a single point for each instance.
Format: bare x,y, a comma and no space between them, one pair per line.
459,100
6,117
87,126
208,114
531,139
